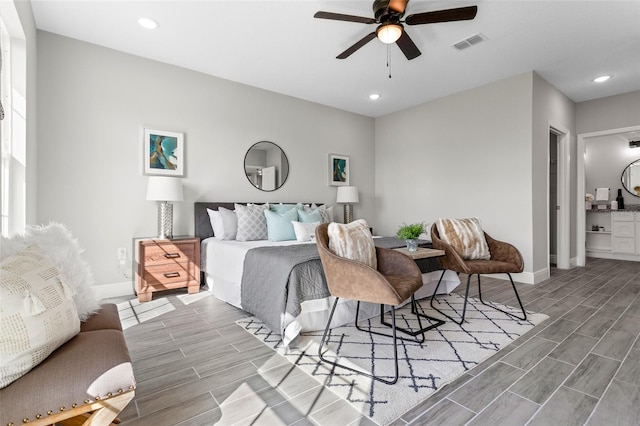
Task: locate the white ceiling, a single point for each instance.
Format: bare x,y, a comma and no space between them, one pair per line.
279,46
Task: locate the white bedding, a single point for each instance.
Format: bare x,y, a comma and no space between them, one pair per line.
222,262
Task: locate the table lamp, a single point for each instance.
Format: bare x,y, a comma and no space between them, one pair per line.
165,190
347,195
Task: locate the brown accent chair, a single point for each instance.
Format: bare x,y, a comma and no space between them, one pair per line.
505,259
396,279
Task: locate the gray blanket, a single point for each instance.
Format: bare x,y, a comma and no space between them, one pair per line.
276,280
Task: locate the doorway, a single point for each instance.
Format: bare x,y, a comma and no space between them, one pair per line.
559,227
553,198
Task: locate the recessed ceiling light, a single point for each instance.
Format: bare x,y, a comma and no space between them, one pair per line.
602,78
147,23
374,96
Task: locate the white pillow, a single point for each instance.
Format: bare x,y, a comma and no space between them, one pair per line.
466,236
252,224
305,231
37,312
224,223
353,241
326,212
65,252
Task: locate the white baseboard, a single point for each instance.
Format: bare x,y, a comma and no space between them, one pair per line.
107,291
522,277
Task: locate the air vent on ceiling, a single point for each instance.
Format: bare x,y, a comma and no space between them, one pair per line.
634,144
470,41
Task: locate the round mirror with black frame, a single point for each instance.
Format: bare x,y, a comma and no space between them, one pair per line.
631,178
266,166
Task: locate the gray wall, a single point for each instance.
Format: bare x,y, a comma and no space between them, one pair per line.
550,107
93,105
612,112
465,155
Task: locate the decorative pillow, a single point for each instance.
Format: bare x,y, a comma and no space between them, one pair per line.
224,223
37,312
309,216
353,241
326,212
281,208
279,226
66,254
465,236
305,231
252,225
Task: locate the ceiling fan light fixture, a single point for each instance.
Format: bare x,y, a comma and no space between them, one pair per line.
374,96
389,33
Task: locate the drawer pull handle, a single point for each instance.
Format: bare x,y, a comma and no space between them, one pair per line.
172,274
171,255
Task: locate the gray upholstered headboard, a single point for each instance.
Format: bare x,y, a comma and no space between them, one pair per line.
201,217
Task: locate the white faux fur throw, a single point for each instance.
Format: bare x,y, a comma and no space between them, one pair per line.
65,253
353,241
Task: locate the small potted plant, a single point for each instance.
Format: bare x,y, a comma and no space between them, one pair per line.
410,234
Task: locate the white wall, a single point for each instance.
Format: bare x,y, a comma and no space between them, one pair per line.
468,154
93,104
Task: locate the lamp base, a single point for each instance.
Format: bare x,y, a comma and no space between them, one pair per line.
348,213
165,220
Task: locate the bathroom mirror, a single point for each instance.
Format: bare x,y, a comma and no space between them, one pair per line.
266,166
631,178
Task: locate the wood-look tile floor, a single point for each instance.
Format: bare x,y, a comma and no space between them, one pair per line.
195,366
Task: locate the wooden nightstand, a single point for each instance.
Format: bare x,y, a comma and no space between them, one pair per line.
167,264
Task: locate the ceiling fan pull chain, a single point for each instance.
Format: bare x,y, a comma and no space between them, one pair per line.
388,61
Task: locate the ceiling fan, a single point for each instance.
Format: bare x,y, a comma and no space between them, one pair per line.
388,15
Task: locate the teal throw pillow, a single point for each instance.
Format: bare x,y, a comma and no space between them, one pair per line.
279,226
309,216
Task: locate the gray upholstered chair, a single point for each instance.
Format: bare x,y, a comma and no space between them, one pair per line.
395,280
505,259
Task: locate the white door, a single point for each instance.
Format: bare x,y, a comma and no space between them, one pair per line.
269,178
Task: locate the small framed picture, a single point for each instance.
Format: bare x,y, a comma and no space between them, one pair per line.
338,170
163,153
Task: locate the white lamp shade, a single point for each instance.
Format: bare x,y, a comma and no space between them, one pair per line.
347,194
164,188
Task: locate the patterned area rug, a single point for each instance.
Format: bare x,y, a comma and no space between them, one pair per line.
448,352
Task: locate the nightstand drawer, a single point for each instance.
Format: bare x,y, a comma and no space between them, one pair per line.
161,253
168,274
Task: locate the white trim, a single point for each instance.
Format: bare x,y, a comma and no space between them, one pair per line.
581,236
523,277
107,291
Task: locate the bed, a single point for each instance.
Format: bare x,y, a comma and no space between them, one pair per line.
282,283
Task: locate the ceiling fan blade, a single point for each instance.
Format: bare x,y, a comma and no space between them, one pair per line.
366,39
398,5
408,47
447,15
341,17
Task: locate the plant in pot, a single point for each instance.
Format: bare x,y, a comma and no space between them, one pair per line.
410,234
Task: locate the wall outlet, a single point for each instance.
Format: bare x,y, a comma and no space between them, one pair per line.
122,254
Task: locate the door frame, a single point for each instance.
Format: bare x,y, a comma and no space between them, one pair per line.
581,215
563,197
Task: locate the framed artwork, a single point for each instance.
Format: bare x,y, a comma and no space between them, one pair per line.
338,170
163,153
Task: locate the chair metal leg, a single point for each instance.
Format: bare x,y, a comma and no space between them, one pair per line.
524,313
464,307
436,322
395,345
